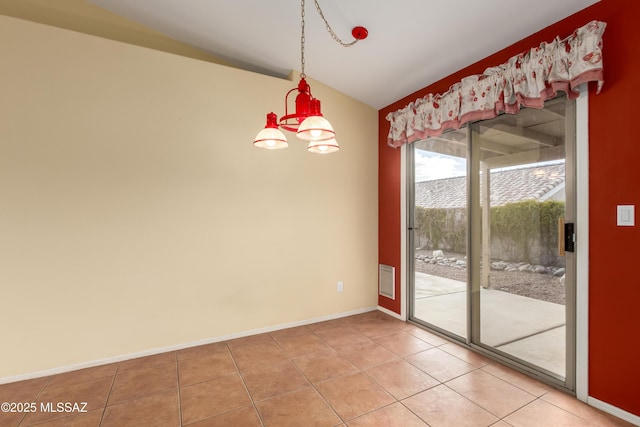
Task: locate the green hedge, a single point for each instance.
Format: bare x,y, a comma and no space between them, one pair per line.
443,228
517,225
524,222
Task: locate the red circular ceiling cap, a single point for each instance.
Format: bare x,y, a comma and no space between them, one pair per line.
359,33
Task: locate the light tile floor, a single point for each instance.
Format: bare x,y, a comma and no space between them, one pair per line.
363,370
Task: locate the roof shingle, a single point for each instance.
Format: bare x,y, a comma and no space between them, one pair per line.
507,186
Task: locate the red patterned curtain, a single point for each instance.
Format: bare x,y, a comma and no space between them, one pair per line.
526,80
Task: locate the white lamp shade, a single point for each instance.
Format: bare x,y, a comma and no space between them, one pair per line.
271,138
323,147
315,128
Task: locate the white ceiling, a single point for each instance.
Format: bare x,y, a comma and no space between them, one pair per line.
411,43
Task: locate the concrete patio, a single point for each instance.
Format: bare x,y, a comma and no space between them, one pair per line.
526,328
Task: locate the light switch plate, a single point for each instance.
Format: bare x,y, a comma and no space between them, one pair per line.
626,215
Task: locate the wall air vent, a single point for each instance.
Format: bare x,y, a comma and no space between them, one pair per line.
387,281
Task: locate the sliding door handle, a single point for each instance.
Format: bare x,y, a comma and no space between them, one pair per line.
569,237
566,237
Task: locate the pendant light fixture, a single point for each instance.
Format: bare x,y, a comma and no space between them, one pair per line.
307,119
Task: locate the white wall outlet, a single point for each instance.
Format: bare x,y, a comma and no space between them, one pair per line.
340,286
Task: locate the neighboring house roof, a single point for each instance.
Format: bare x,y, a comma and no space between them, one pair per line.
507,186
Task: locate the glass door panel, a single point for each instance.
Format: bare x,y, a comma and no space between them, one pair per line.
438,220
519,289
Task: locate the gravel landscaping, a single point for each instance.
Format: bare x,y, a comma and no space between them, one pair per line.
547,284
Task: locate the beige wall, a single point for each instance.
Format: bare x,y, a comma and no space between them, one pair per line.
135,213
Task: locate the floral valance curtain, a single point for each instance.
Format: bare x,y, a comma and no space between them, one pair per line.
526,80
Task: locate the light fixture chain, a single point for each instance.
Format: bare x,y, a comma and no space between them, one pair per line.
302,40
329,29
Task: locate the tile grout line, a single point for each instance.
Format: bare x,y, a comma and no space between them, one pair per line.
495,376
106,402
561,408
180,420
403,358
290,359
362,371
130,399
444,383
409,409
244,384
509,382
343,421
35,399
518,409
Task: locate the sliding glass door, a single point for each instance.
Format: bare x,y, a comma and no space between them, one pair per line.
487,204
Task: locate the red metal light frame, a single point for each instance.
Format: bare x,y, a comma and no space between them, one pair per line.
306,105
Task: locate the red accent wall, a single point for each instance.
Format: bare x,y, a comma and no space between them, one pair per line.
614,178
389,212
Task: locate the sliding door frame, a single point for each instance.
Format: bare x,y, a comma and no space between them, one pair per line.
580,353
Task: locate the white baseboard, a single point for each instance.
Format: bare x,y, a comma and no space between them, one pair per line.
614,410
391,313
151,352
